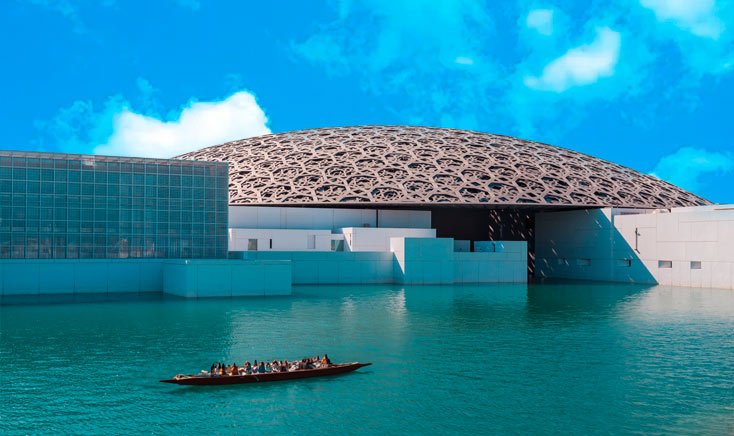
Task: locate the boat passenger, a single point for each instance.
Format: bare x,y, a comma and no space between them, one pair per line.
248,368
326,358
324,361
261,368
212,369
235,370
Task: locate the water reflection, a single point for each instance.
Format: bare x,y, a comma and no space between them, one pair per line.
539,358
670,303
575,297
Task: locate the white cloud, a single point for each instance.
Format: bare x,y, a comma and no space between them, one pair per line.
581,65
687,165
541,20
464,60
200,124
695,16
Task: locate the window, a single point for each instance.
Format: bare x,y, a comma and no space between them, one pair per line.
252,245
337,245
624,263
665,264
695,264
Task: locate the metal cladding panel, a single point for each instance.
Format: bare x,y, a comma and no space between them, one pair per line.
421,166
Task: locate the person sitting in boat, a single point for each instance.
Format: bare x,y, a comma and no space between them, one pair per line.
248,367
213,369
234,370
261,368
325,361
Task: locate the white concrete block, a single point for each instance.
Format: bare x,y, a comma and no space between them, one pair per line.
721,273
91,276
664,276
681,275
55,277
123,276
350,272
667,228
213,279
278,279
246,280
270,217
704,231
151,275
671,251
696,278
328,273
305,272
700,250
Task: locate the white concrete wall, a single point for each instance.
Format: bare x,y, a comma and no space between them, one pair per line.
406,219
627,245
423,261
508,264
378,239
78,276
189,278
226,278
433,261
327,268
684,235
282,239
258,217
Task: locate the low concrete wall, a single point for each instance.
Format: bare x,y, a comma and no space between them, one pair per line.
690,247
189,278
423,261
378,239
72,276
432,261
328,268
226,278
412,261
507,263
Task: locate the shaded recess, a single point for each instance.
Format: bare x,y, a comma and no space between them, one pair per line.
404,166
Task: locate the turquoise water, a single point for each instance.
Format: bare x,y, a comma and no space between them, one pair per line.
552,358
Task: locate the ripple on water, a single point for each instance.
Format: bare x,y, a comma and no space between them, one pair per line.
558,358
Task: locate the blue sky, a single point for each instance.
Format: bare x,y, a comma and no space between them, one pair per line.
645,83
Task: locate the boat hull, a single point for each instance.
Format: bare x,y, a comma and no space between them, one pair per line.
206,380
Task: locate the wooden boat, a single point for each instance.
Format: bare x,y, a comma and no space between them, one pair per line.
209,380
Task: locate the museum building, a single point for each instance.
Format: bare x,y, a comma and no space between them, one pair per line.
349,205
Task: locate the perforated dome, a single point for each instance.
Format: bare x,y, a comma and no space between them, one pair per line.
401,165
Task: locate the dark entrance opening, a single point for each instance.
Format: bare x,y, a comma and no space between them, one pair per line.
479,224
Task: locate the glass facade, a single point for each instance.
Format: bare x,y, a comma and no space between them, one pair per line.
62,206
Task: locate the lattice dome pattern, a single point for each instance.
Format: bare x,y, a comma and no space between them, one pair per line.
401,165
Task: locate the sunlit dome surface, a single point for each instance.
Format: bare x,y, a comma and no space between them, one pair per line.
411,166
